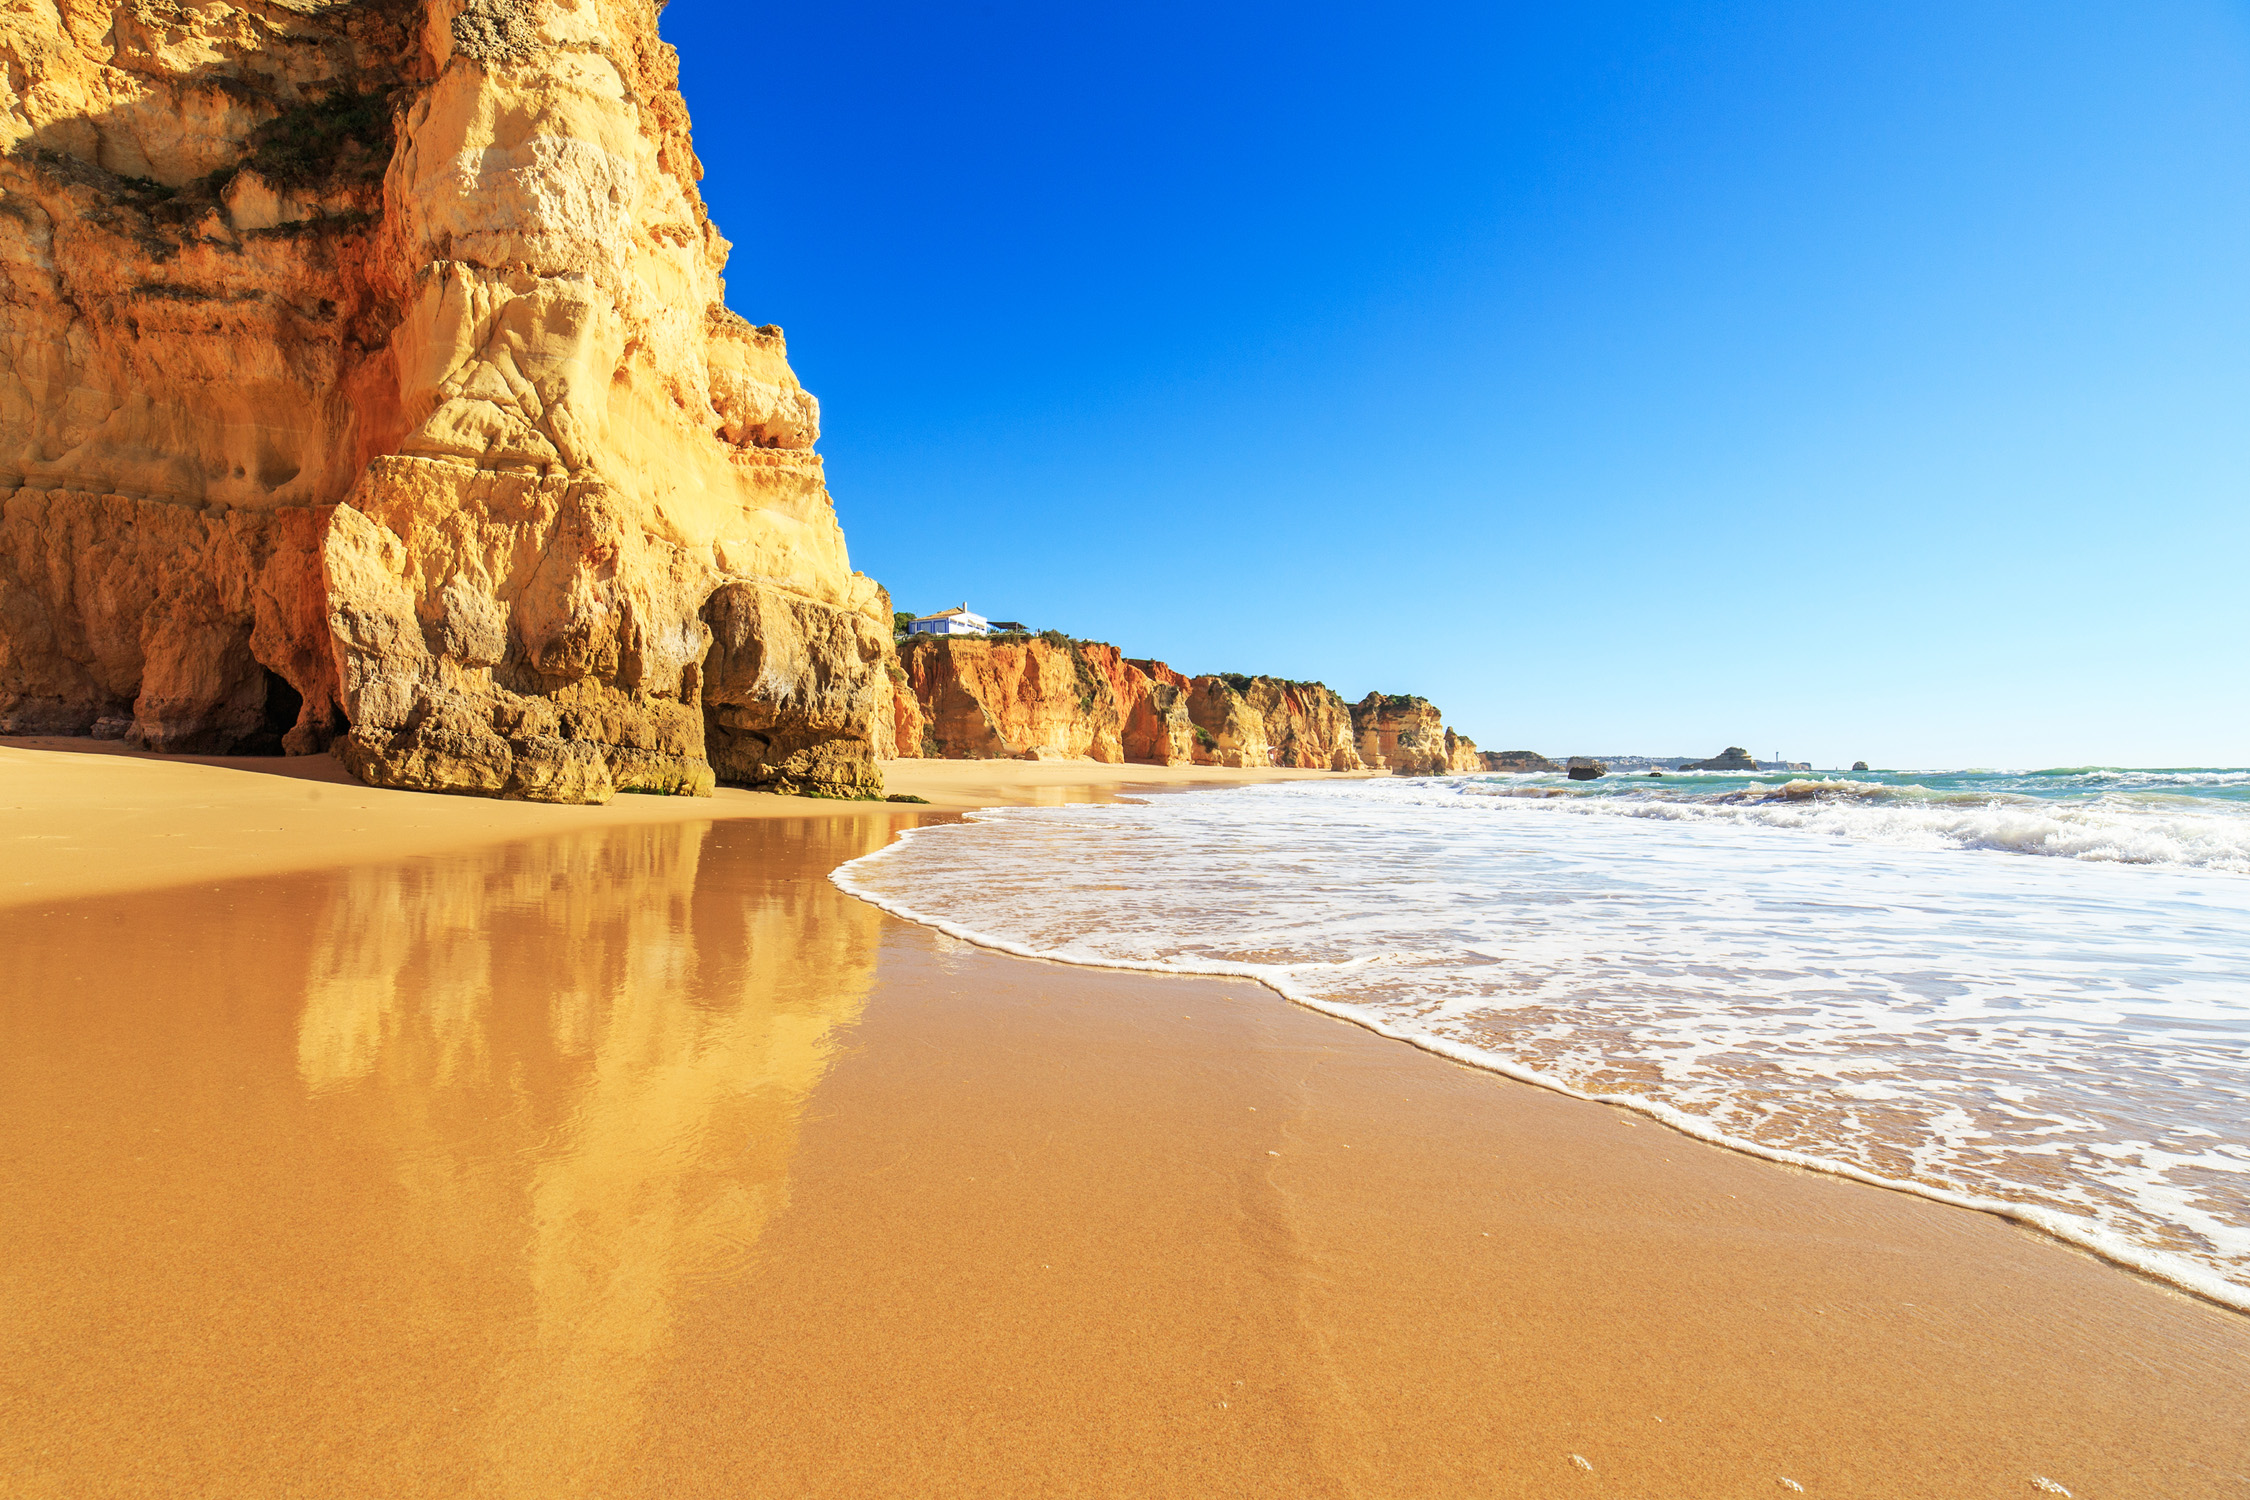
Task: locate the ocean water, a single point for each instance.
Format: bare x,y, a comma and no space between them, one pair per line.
2024,992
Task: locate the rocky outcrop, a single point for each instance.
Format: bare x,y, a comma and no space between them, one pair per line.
1586,768
1050,697
194,631
1229,732
187,211
368,379
793,693
1158,729
1029,699
1461,754
1733,758
1307,726
1519,762
900,729
1404,733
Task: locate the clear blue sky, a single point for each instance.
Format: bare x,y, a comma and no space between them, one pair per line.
1857,380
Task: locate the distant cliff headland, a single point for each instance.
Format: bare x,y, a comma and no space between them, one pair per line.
1049,697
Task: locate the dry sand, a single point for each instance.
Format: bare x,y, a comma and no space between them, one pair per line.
84,817
595,1155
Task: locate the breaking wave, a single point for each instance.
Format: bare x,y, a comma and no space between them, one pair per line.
2135,818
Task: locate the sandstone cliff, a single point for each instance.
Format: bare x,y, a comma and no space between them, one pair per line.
1229,732
1050,697
1306,725
1404,733
1015,699
900,728
368,380
1158,728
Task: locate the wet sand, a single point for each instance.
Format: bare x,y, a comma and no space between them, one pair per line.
639,1160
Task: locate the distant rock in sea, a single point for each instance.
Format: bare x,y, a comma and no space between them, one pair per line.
1859,765
1584,769
1733,758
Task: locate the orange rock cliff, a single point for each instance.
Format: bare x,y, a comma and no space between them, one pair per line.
1049,697
1406,733
366,379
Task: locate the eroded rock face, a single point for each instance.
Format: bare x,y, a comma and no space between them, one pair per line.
1014,700
1232,733
1461,754
900,729
187,208
1733,758
1049,698
1403,733
793,693
380,349
1269,721
1158,729
1307,725
186,630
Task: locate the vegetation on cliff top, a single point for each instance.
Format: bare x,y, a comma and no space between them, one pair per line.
1240,682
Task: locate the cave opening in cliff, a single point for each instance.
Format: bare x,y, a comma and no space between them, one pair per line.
283,704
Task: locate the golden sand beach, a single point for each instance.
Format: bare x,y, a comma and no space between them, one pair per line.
372,1143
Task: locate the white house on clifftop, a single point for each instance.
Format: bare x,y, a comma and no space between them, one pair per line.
957,621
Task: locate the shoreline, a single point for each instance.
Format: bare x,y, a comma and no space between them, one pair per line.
37,776
897,1214
2186,1279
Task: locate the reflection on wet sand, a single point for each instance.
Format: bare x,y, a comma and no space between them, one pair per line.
572,1008
539,1091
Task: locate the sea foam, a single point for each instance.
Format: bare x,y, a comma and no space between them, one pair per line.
1832,974
2129,820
